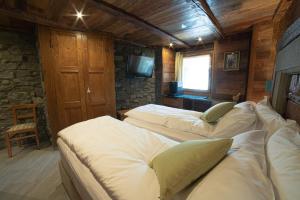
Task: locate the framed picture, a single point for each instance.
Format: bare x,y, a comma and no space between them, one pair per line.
232,61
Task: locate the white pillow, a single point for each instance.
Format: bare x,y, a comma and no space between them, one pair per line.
246,104
271,120
283,150
241,175
240,119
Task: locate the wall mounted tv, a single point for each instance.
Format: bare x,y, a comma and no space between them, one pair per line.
140,66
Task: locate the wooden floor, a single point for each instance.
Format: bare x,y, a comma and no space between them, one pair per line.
31,175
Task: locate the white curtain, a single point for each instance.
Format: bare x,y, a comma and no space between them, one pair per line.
178,66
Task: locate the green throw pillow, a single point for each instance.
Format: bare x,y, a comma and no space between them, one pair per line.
217,111
179,166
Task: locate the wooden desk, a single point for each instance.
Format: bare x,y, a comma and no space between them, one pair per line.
173,102
188,102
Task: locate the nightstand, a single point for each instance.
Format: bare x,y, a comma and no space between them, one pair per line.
121,114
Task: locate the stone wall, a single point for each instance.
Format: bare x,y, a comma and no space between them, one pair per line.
20,78
133,92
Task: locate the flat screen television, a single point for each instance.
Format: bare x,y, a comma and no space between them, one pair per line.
140,66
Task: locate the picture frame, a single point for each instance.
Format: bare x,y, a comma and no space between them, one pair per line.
232,61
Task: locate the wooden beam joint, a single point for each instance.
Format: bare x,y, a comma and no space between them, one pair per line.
124,15
202,4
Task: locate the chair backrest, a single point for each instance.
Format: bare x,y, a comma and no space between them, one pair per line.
24,112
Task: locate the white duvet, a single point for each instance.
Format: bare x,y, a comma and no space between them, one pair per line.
240,119
283,150
118,154
173,118
158,114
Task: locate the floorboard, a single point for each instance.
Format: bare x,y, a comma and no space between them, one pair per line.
31,175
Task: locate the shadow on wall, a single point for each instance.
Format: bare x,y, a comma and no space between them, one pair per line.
133,92
20,78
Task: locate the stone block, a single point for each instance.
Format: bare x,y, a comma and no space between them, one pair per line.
22,73
7,75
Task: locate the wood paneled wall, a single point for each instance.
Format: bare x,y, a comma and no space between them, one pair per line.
265,37
261,60
225,84
168,69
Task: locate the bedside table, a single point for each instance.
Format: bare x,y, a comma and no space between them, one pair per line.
121,114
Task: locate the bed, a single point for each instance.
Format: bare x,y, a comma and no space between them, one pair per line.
182,124
105,158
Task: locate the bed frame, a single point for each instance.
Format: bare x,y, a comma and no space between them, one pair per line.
287,64
67,183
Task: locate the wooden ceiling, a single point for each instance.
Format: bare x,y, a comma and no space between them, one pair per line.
147,22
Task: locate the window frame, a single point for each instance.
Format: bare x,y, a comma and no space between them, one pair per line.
195,54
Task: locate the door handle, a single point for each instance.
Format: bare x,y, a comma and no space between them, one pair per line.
88,90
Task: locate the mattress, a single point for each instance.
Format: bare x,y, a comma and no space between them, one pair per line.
84,181
82,178
162,130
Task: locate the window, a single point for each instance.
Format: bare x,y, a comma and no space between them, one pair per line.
195,72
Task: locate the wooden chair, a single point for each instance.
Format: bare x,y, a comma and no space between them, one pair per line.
20,131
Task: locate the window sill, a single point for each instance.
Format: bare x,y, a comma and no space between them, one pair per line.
196,92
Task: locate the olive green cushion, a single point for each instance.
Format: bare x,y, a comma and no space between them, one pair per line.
217,111
179,166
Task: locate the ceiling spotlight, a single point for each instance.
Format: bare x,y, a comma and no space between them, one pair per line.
183,26
79,15
171,45
199,39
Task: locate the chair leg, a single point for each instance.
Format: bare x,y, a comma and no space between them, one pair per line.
8,144
37,138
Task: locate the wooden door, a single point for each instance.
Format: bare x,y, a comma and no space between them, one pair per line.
99,76
69,82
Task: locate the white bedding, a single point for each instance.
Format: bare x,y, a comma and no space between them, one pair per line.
174,118
118,154
241,175
158,114
173,134
283,150
240,119
87,186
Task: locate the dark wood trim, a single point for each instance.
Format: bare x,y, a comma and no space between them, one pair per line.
57,8
202,47
130,42
198,53
202,4
277,9
17,29
122,14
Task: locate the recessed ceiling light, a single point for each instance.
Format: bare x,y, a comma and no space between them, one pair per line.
79,15
199,39
171,44
183,26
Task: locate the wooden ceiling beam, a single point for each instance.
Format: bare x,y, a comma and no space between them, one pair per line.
281,9
124,15
19,14
57,8
202,4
